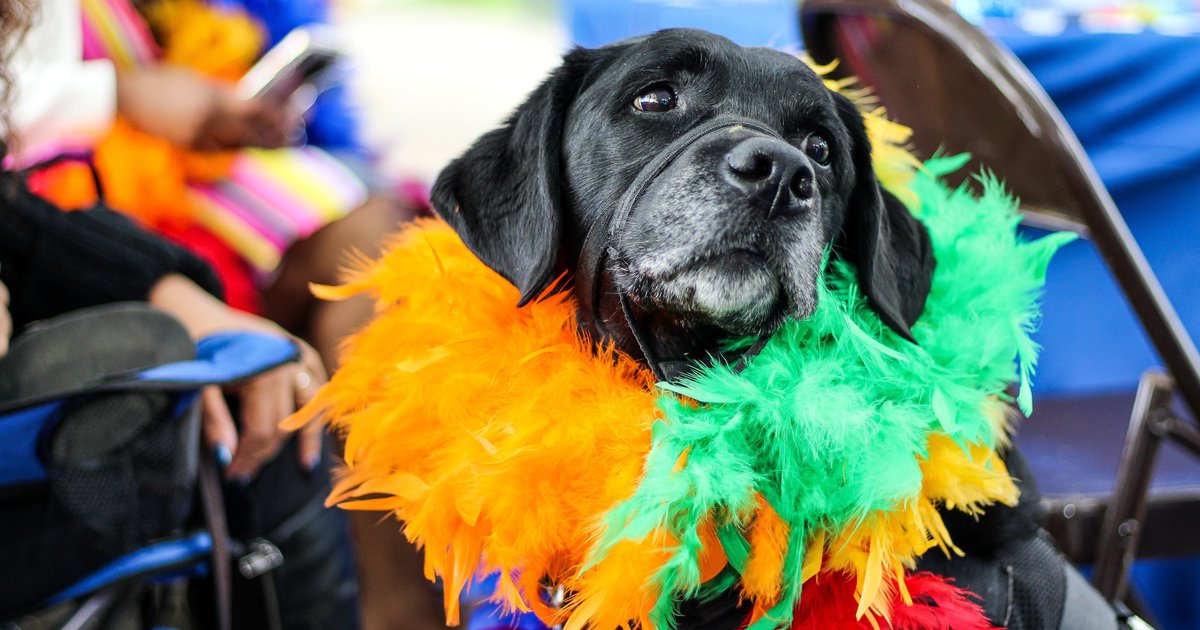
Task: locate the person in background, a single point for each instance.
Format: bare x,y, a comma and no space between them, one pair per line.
146,90
56,99
54,262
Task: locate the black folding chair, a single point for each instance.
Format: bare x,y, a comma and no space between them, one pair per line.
958,90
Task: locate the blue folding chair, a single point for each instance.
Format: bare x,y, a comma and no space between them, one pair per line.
103,453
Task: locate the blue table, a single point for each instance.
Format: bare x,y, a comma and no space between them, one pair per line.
1134,102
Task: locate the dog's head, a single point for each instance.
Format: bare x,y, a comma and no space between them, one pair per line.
720,226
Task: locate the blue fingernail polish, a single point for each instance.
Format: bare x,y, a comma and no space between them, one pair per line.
223,456
243,480
314,461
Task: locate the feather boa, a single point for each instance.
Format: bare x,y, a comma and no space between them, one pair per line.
811,481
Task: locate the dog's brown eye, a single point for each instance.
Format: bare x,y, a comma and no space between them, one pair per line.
655,99
817,148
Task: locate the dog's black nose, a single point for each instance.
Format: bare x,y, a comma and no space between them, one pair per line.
773,171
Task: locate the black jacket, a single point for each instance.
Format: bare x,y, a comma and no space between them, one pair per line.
53,261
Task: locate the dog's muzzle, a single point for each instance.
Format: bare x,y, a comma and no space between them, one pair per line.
598,248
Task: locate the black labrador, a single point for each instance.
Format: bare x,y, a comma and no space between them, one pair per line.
690,187
725,231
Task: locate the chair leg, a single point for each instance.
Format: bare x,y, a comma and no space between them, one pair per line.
1137,604
94,612
1121,529
213,506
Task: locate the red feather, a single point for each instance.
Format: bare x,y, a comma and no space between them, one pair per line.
938,605
828,603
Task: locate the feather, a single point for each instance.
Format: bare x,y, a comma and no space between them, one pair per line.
478,473
936,605
835,433
763,575
507,442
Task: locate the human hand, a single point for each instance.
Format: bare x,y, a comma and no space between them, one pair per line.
181,106
265,400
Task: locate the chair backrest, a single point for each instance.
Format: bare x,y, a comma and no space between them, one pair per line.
982,104
961,92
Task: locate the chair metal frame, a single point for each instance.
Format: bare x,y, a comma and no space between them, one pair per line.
1094,215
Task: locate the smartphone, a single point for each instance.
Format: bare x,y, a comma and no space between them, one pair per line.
299,67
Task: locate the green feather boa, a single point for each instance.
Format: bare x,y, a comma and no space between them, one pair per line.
830,421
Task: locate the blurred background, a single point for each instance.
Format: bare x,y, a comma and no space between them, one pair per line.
431,75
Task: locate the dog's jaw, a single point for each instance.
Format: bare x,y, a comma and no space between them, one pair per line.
736,292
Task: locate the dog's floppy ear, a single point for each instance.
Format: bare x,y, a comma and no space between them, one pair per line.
505,195
889,246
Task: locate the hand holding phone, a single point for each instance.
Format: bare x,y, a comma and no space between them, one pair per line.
181,106
295,70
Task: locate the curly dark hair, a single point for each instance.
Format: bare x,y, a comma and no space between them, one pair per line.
15,18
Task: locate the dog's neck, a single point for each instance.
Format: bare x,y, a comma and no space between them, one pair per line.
676,344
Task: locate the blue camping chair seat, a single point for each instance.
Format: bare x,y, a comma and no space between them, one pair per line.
99,473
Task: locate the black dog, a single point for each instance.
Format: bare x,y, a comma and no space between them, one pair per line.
690,188
726,232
